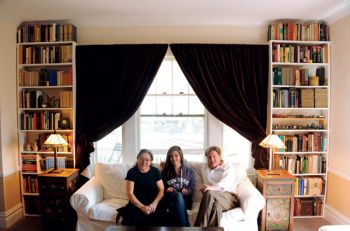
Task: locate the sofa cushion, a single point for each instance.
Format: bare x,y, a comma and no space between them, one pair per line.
235,214
112,179
106,209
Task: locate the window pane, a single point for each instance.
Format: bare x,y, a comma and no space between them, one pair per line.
109,148
180,105
180,84
196,107
164,105
236,148
153,88
164,132
164,78
149,106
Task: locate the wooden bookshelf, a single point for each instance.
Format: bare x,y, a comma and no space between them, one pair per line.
46,97
298,109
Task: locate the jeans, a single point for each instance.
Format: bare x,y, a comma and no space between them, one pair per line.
176,210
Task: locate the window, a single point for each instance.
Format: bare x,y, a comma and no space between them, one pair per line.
171,114
236,148
109,148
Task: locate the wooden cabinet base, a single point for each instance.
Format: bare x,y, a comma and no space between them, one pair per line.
277,187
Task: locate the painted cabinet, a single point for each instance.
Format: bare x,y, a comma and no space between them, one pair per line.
277,187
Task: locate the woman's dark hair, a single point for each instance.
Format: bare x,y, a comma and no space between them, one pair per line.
144,151
169,169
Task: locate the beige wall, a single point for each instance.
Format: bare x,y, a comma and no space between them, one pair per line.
11,192
9,176
339,158
107,35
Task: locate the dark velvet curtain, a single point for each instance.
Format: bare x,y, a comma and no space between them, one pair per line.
231,81
112,81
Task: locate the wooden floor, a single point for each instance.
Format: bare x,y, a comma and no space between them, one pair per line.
33,224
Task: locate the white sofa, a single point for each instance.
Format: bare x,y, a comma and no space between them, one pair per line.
97,200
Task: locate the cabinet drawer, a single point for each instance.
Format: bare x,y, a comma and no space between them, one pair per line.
279,189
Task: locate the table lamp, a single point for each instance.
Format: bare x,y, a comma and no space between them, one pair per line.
55,141
272,141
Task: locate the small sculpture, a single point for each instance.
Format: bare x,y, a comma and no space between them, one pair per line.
35,146
49,100
28,148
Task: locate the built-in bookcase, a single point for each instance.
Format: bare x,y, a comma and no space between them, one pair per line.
298,111
46,101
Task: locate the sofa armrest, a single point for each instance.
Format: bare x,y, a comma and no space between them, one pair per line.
86,196
250,199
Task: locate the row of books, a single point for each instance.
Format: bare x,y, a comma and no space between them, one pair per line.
30,184
293,53
300,98
308,142
49,162
45,54
51,32
301,31
66,99
43,120
295,76
45,77
301,164
308,206
35,99
32,163
313,186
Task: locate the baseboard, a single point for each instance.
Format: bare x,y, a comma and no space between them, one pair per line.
335,217
11,216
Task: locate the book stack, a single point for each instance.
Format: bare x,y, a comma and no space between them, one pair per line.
321,97
30,184
307,98
31,163
66,99
49,162
308,206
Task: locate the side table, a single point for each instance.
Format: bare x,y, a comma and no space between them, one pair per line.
277,187
55,190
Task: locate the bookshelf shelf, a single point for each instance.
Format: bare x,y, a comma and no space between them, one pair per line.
46,97
299,113
46,109
293,86
297,64
47,131
44,65
30,194
46,152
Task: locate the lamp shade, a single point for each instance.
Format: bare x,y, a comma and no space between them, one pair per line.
272,141
56,141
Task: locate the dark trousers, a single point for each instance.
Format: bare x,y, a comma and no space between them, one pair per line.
133,216
175,210
213,204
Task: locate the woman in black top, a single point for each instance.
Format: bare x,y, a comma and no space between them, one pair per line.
145,189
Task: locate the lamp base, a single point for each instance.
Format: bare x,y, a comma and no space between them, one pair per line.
58,170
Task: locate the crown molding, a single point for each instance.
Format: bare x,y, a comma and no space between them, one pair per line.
338,13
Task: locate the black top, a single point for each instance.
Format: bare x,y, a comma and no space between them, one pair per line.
145,187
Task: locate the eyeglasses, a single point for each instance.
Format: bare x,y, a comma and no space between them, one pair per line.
144,159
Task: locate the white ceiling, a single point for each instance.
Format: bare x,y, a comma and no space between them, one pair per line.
173,12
